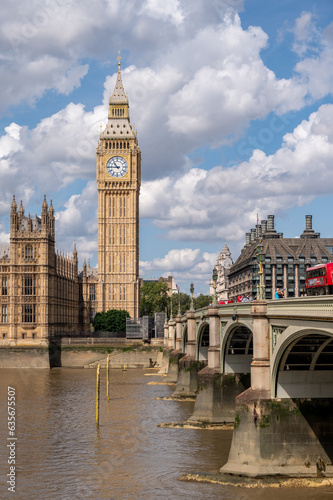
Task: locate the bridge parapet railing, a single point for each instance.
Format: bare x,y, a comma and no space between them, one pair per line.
303,307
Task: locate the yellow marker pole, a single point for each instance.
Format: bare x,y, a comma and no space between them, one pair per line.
107,378
97,397
124,368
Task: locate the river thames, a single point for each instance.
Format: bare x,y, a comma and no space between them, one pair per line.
59,453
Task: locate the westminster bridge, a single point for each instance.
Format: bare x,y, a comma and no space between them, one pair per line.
267,366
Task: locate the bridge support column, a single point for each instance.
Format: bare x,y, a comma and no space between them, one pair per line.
178,333
188,366
287,437
166,349
216,393
175,354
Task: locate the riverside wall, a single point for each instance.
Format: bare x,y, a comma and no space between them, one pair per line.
81,355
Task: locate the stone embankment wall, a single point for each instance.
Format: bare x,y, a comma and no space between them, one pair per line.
81,356
24,357
132,357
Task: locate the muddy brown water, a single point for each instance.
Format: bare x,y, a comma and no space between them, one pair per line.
59,453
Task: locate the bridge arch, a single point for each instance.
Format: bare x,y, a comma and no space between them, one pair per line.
202,343
302,364
184,338
237,348
174,336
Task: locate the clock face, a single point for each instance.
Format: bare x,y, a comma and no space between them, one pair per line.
117,166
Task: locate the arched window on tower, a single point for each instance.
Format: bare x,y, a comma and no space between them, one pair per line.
29,252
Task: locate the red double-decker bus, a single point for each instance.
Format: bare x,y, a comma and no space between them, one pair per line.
319,279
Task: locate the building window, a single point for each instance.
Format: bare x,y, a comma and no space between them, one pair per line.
3,335
4,285
4,314
29,313
29,285
23,335
29,252
92,295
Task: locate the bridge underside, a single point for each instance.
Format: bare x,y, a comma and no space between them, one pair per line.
216,391
306,368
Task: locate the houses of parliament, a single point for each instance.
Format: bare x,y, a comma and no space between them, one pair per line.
43,294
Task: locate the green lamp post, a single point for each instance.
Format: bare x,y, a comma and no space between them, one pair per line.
192,291
214,281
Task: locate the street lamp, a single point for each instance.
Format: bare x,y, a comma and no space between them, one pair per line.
179,312
261,285
192,291
214,281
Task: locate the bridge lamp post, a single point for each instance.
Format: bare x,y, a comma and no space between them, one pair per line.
192,291
261,285
214,280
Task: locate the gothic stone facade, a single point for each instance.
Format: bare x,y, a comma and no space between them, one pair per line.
39,288
223,264
285,260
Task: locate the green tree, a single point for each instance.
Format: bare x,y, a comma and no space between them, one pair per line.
185,303
153,298
202,301
113,320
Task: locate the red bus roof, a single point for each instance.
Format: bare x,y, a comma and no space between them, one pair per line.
319,266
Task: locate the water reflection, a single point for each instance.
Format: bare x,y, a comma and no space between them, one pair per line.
61,454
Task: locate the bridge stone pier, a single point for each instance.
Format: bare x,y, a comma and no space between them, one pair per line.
219,385
189,365
269,368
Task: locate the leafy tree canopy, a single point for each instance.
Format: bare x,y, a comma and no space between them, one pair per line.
113,320
185,303
202,301
153,298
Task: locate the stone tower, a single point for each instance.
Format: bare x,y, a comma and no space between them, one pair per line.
223,263
118,175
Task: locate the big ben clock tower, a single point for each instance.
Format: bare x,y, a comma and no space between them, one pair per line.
118,174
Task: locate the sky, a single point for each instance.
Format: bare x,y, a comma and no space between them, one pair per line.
231,100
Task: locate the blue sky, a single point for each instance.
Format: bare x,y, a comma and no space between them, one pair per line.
232,101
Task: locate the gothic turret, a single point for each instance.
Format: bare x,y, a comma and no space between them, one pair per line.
51,219
20,213
13,217
45,215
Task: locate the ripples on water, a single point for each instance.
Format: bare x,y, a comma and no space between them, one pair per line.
61,454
